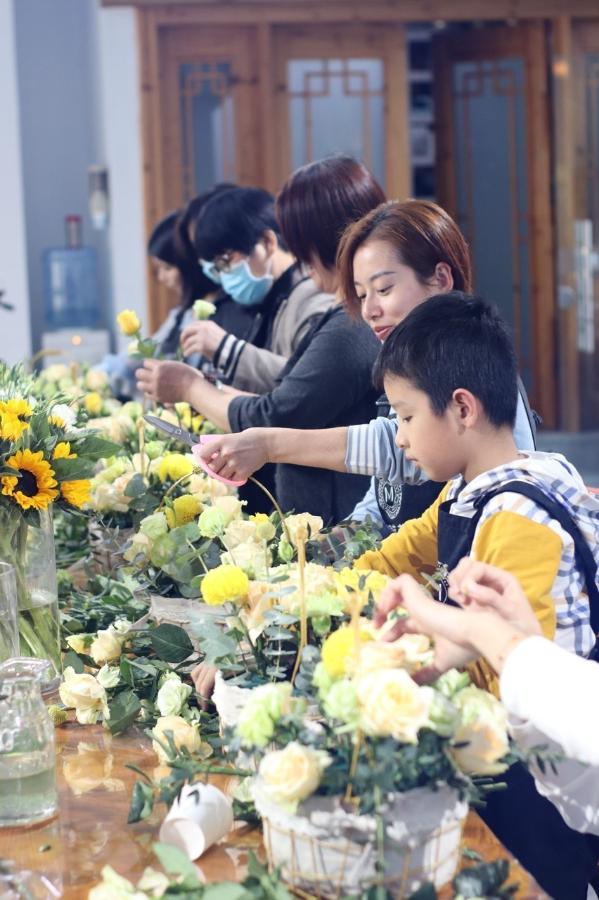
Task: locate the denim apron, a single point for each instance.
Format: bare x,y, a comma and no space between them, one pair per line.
561,860
398,503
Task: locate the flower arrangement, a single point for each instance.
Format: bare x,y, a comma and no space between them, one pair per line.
45,461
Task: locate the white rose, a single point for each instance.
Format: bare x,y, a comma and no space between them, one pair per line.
172,696
122,627
250,557
64,412
392,704
96,379
292,774
55,372
240,531
303,525
483,730
84,694
106,647
230,506
108,676
114,887
183,734
417,651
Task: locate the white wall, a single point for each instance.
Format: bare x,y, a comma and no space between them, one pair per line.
121,126
15,338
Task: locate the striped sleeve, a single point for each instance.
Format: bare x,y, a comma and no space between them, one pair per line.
371,450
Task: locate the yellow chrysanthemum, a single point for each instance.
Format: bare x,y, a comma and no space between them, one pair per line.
339,649
35,485
63,451
77,493
93,403
184,510
360,580
12,413
174,466
225,584
128,322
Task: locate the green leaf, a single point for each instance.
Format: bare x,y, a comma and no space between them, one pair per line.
74,660
171,643
136,486
175,862
124,709
478,881
142,802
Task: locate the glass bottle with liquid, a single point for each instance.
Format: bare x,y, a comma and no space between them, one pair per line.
27,750
71,296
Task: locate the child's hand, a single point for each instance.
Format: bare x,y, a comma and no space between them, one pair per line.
478,587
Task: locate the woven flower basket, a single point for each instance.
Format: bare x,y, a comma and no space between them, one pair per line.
106,545
329,852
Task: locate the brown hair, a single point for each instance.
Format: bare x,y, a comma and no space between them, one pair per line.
421,233
319,201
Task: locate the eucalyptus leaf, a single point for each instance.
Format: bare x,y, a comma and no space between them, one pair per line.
175,862
142,802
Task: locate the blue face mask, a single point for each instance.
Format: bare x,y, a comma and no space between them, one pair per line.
210,271
244,287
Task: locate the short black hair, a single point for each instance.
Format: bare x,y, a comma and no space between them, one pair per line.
452,341
235,219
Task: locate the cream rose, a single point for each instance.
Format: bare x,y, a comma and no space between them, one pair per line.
417,651
184,734
96,379
239,532
78,642
172,696
292,774
392,704
303,525
249,556
107,647
230,506
482,730
83,694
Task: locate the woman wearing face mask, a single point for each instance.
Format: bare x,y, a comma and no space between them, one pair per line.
327,380
238,242
394,258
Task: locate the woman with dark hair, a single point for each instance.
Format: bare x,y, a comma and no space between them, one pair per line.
327,380
391,260
238,241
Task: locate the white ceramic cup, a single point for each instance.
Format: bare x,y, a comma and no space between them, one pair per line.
200,817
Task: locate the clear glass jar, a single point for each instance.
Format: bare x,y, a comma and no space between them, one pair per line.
27,750
9,633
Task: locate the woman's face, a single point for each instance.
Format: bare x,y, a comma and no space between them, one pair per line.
388,290
167,275
325,279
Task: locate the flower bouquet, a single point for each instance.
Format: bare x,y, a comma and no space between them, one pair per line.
374,794
44,461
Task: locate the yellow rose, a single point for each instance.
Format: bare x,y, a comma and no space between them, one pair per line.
303,525
83,694
183,733
93,403
339,650
172,467
292,774
107,647
392,704
78,643
483,730
128,322
224,584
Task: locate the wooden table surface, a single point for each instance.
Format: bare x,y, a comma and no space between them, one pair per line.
91,828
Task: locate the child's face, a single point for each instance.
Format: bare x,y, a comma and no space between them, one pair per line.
431,441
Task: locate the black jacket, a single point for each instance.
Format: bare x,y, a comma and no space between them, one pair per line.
326,383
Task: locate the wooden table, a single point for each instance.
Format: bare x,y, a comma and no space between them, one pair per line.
91,828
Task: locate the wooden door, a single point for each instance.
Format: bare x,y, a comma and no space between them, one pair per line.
585,51
494,177
343,89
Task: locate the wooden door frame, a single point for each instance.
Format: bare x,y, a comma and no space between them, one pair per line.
343,42
532,35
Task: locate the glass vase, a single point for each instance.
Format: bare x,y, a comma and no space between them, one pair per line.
9,633
30,550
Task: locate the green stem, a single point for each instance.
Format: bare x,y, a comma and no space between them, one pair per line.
380,843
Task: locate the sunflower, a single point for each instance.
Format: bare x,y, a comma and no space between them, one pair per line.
12,413
35,485
77,493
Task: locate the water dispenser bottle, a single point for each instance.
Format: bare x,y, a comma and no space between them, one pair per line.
71,295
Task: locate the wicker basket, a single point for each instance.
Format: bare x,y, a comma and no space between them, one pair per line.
331,853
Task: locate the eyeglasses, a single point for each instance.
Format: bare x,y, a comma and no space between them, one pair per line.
221,263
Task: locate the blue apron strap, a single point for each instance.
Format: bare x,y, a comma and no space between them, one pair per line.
584,556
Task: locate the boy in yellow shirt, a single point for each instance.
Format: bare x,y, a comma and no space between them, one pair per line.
449,371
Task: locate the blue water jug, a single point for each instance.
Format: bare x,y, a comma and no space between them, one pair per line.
71,295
